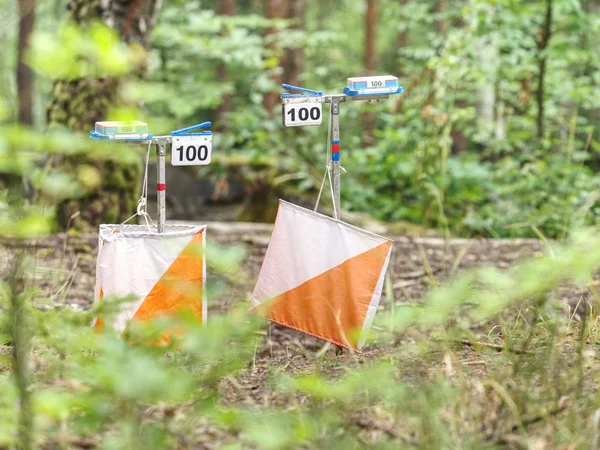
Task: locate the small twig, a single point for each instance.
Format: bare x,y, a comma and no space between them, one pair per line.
595,424
82,443
497,347
477,362
536,419
503,440
323,350
374,425
70,277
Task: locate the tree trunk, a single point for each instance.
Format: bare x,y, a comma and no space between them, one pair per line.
293,63
79,103
370,57
543,41
441,24
24,72
592,41
223,8
401,44
274,9
256,6
370,36
487,57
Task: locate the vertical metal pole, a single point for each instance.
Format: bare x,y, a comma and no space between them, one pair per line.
335,163
335,155
161,186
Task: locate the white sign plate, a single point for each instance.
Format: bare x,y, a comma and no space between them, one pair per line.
191,150
302,114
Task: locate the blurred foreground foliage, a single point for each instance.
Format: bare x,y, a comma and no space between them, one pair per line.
66,385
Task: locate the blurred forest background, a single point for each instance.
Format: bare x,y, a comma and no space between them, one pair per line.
498,133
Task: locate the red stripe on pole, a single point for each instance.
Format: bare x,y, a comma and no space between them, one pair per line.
335,148
161,186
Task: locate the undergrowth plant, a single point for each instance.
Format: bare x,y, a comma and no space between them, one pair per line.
437,377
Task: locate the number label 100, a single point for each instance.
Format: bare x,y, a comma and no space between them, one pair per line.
192,153
191,150
301,114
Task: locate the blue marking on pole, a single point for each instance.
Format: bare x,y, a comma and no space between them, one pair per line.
367,93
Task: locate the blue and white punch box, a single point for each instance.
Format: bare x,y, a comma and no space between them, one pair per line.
379,85
123,130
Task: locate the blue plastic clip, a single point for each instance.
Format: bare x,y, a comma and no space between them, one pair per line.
309,92
355,93
106,137
184,131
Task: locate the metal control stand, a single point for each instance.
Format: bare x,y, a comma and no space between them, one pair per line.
161,143
334,100
360,89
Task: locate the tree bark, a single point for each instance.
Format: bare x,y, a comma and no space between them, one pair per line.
592,41
293,64
544,39
79,103
487,57
441,24
401,44
370,58
274,9
223,8
24,72
256,6
370,36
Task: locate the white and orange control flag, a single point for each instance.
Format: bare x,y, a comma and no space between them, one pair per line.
165,273
321,276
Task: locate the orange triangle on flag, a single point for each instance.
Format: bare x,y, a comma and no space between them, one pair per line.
180,287
333,305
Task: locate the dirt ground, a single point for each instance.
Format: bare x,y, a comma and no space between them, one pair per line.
65,264
64,271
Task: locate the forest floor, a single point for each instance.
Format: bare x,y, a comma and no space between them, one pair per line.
65,271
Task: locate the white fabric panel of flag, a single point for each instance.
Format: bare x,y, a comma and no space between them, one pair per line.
321,276
163,273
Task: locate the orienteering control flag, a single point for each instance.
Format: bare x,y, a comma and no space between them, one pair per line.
164,273
321,276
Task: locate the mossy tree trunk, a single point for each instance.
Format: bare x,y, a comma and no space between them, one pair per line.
78,104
